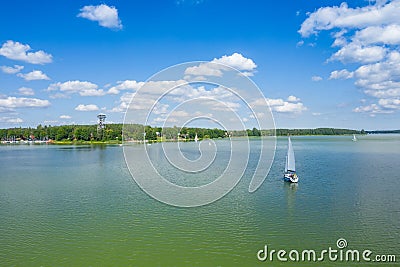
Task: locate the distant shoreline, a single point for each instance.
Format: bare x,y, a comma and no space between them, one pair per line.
113,134
120,143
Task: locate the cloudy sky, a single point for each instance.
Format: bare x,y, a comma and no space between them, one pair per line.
318,63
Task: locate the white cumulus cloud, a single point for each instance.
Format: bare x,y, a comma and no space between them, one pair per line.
237,61
316,78
23,102
292,105
385,34
10,120
328,18
372,110
105,15
11,70
33,75
17,51
125,85
83,88
390,103
204,69
369,38
279,105
213,68
341,74
124,103
356,53
65,117
293,98
90,107
26,91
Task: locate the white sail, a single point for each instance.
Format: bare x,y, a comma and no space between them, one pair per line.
286,164
196,138
354,138
290,161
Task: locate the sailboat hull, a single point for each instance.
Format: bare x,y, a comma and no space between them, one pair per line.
291,177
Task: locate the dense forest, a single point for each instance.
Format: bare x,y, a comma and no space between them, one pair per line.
113,132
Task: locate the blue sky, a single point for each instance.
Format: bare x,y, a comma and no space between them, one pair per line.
319,63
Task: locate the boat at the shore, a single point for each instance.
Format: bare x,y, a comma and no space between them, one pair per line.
354,138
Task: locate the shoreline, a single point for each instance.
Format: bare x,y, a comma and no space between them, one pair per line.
120,143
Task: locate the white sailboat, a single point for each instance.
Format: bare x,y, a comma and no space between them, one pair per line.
354,138
196,139
290,166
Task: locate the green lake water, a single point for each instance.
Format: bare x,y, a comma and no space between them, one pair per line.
79,206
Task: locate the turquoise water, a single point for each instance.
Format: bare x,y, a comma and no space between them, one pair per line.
78,206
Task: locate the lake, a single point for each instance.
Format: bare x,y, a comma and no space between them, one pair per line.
79,206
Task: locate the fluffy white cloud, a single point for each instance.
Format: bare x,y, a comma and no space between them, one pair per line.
369,37
178,92
125,85
23,102
293,105
151,90
316,78
18,51
384,106
213,68
90,107
386,93
372,110
10,120
279,105
160,87
292,98
26,91
84,88
327,18
123,102
390,103
380,79
65,117
237,61
204,69
105,15
34,75
385,34
341,74
356,53
340,40
11,70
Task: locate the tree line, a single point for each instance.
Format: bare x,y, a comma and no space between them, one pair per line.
140,132
63,133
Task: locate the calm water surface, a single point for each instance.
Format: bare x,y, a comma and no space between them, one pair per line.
78,206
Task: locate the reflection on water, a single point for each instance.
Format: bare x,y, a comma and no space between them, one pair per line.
291,187
290,192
